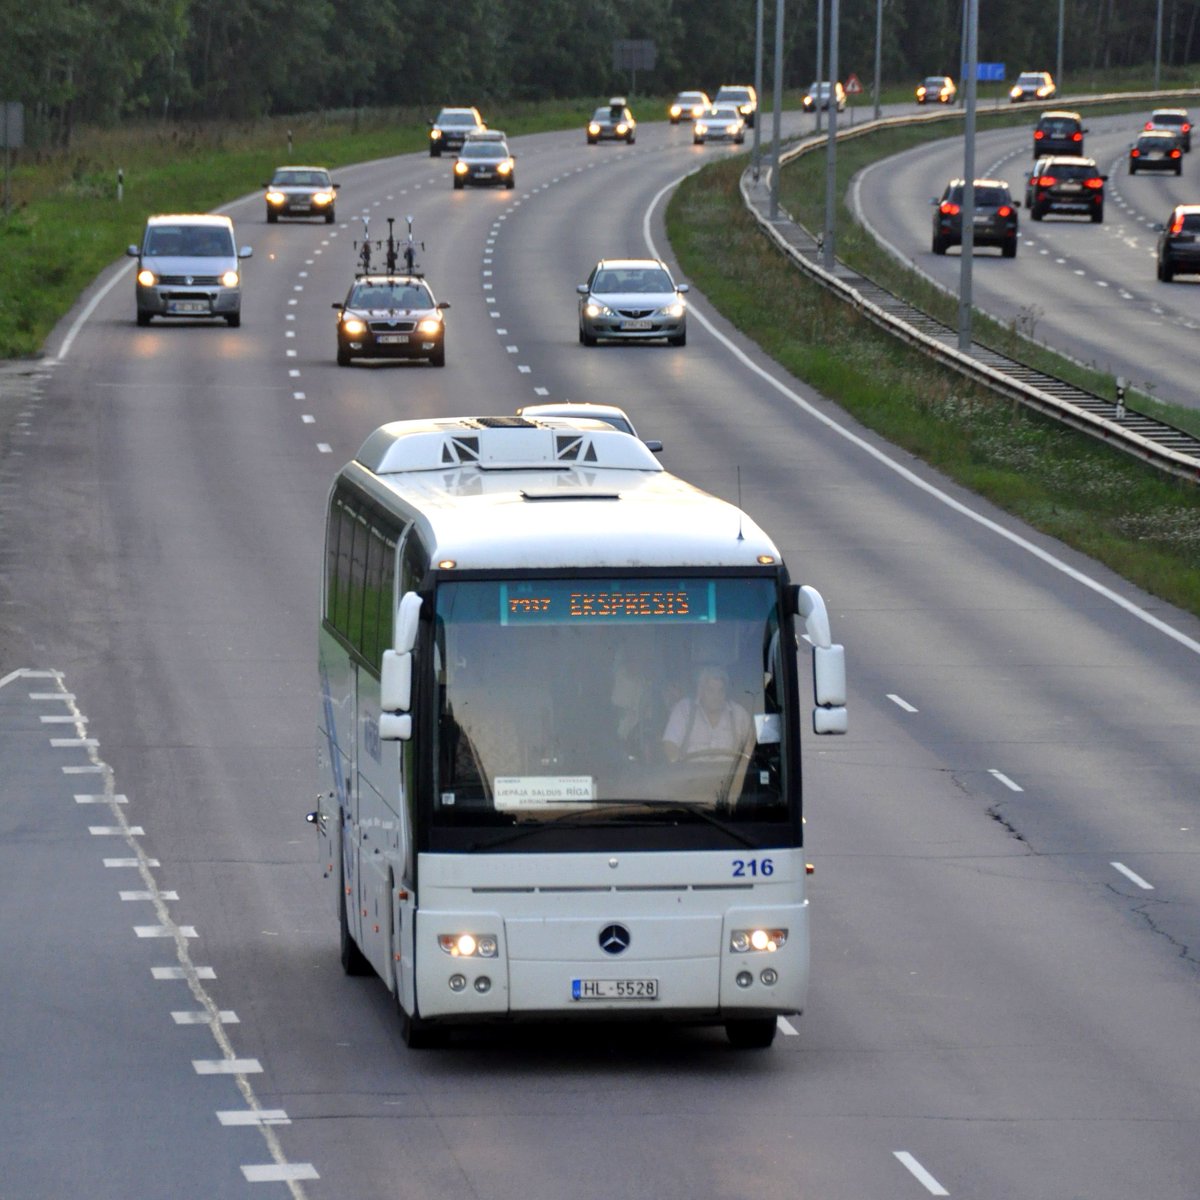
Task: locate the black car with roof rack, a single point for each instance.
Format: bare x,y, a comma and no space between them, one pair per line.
1069,185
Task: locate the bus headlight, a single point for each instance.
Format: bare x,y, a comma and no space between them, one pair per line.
468,945
743,941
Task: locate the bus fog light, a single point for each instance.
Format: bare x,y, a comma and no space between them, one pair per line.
769,977
744,979
457,982
483,984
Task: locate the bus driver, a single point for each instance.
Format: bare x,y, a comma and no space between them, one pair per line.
711,725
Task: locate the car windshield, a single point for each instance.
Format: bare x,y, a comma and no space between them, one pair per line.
934,81
189,241
689,98
734,95
1072,170
1191,223
492,151
602,114
301,179
1034,80
457,118
1169,118
622,701
632,279
1058,126
390,295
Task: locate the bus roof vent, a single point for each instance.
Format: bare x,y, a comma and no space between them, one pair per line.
503,443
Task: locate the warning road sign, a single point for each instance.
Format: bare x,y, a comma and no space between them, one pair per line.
853,87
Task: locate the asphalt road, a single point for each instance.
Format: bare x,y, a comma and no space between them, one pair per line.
1087,290
1006,900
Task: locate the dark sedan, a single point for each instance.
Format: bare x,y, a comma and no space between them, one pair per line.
391,316
1156,150
995,222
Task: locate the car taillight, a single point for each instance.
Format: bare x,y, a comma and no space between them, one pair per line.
1046,181
1176,153
1186,127
1148,125
1135,153
1004,211
948,208
1094,184
1176,225
1038,135
1077,137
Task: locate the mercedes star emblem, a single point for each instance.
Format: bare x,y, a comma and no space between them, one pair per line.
614,939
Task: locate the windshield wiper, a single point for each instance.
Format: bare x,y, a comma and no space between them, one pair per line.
568,818
697,810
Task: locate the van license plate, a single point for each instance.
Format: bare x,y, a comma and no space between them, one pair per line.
188,306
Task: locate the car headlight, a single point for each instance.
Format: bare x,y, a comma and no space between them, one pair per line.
274,197
743,941
353,326
429,325
701,127
434,134
147,278
597,310
1015,93
229,279
460,167
593,128
622,128
732,128
676,110
468,945
322,198
672,310
505,168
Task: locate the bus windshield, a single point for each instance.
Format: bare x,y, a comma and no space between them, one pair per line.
620,702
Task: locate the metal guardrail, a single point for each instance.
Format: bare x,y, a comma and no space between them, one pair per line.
1162,445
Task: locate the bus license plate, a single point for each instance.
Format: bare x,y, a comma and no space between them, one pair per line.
636,325
392,339
188,306
614,989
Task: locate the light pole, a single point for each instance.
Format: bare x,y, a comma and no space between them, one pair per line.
1058,64
775,117
968,204
878,52
828,259
758,82
820,59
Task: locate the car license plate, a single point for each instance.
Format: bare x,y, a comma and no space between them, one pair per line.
180,307
301,206
636,325
483,174
392,339
1071,188
614,989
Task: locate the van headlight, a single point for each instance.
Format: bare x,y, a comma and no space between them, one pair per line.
146,277
230,279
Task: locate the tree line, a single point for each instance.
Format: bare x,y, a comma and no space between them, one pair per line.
75,62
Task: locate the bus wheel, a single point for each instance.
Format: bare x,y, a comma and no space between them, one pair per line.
418,1034
751,1033
354,962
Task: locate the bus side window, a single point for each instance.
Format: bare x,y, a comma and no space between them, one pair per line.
358,580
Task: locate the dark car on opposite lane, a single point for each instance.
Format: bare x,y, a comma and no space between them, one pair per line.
485,161
1069,185
1179,243
995,221
612,122
301,192
1156,150
451,128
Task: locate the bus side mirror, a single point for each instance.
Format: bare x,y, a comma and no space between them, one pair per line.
829,661
395,682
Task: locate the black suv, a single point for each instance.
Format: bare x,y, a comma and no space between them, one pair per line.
1058,132
1066,184
1179,243
995,217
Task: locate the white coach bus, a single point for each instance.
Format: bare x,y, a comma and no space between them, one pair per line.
559,733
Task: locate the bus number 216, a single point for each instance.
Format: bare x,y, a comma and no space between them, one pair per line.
752,867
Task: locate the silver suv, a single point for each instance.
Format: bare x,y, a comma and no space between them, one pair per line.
188,267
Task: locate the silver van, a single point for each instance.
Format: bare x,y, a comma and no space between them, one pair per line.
188,267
